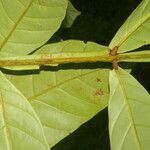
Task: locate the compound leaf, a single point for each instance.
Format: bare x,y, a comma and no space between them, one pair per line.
20,128
129,111
28,24
135,32
64,97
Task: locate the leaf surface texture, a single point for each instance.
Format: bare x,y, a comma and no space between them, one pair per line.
20,128
129,111
135,32
65,97
28,24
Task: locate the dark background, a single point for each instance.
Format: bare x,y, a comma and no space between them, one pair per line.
99,21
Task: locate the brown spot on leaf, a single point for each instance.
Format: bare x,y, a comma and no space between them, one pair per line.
98,80
98,92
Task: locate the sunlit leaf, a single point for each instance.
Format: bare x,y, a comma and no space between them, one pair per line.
20,128
67,96
27,24
135,32
129,113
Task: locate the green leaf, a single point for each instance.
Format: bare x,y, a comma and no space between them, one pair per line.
67,96
28,24
71,14
139,56
135,32
20,128
129,113
72,46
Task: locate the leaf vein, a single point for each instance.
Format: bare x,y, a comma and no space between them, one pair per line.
129,111
28,134
15,25
50,88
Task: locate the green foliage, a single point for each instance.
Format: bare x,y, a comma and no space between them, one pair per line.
135,31
71,14
65,99
54,100
129,112
27,21
20,128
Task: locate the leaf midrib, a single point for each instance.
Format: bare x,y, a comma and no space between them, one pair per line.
57,85
15,25
132,31
6,130
137,140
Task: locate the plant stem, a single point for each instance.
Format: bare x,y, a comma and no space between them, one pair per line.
54,59
141,56
63,58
